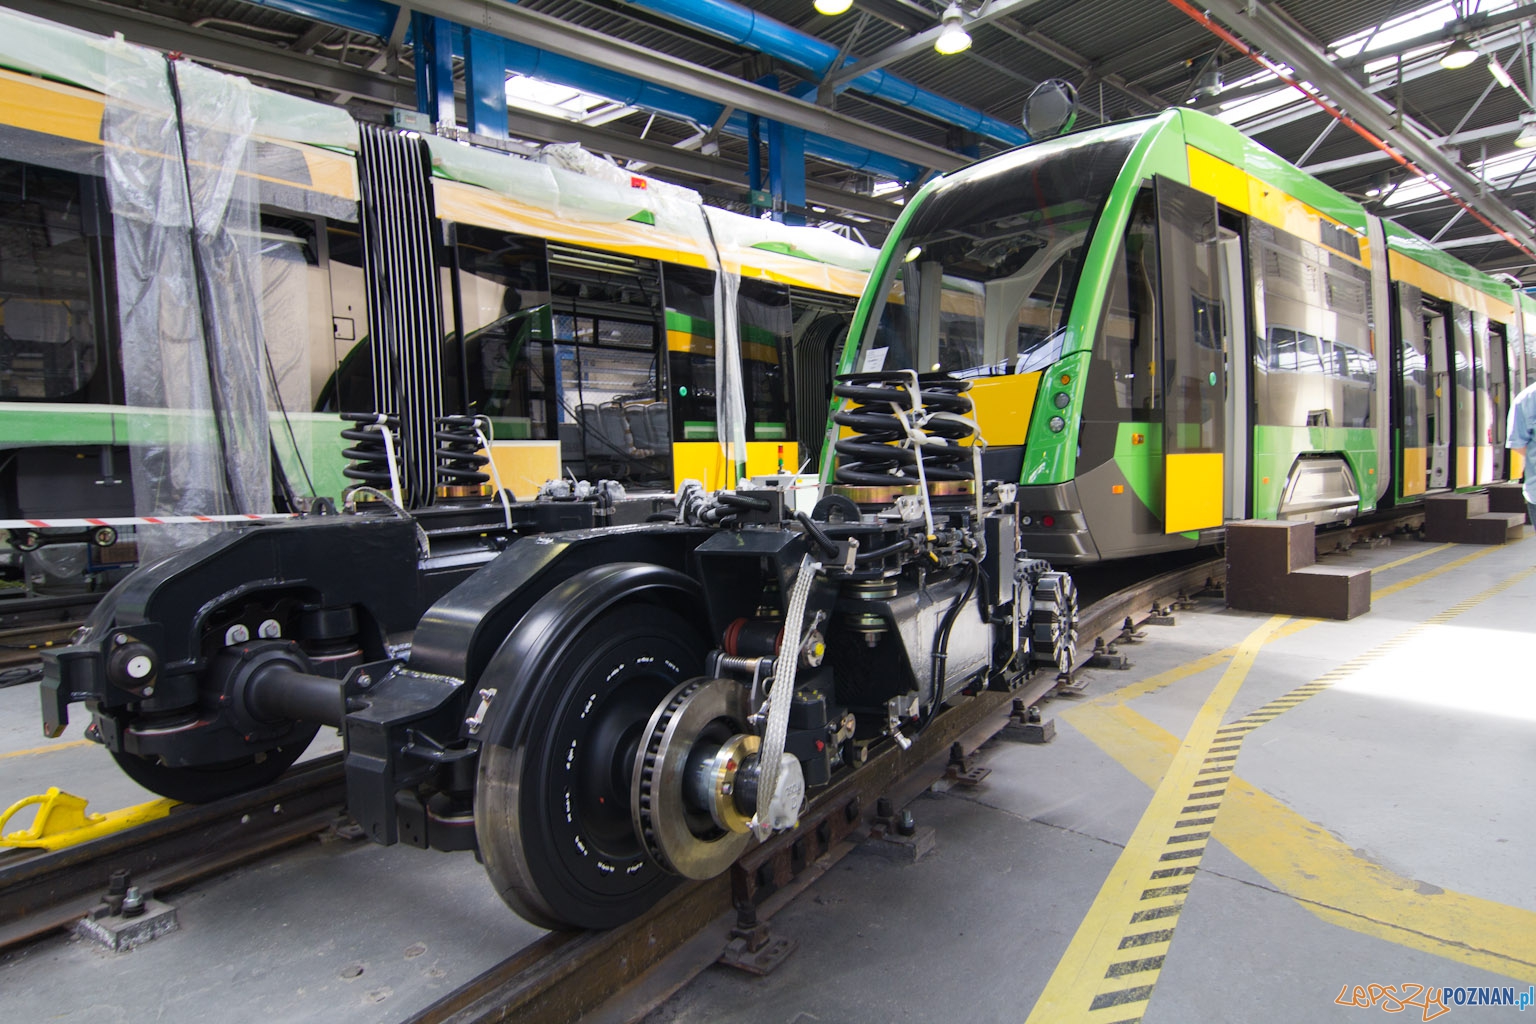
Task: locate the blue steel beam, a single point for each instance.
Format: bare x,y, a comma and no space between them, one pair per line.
377,18
485,83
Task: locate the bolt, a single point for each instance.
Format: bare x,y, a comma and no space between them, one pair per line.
905,825
118,883
149,691
120,639
133,902
884,808
364,681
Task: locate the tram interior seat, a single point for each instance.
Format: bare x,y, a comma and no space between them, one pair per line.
617,439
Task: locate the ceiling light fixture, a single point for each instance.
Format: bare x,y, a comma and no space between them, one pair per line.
1208,83
953,38
1527,137
1458,56
1499,74
832,8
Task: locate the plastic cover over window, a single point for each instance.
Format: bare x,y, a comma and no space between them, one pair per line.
198,402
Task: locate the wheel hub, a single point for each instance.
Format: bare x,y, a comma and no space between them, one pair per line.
688,773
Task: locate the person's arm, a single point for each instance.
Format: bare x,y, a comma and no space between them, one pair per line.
1521,424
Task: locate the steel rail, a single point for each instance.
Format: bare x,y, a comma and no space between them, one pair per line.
566,976
46,891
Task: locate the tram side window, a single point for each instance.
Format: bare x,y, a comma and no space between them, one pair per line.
1122,386
690,301
1314,364
504,300
1415,368
763,313
52,264
608,378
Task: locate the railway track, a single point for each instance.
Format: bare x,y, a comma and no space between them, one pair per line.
42,892
570,976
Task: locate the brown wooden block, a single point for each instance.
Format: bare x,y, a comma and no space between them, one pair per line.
1507,497
1495,528
1329,592
1445,516
1266,548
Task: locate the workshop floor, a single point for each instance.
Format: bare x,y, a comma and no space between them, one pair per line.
1374,829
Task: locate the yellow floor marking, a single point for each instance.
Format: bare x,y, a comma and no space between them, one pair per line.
1414,581
1305,861
1411,558
50,748
1081,977
1209,661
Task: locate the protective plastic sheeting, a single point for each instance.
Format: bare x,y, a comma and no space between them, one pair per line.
189,291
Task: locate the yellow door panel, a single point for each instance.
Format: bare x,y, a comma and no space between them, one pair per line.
1415,471
1193,498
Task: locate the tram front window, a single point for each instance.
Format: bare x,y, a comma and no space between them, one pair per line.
983,276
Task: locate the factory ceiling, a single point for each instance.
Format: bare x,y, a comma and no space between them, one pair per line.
1379,62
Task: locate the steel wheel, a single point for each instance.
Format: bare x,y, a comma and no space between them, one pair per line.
577,686
1054,621
199,784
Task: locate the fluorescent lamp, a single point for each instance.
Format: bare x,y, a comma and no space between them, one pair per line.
953,38
1458,56
1497,71
1527,137
832,8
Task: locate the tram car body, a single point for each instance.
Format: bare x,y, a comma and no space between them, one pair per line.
1167,327
598,712
573,305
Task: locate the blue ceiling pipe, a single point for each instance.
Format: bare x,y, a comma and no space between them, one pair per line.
378,18
746,28
372,16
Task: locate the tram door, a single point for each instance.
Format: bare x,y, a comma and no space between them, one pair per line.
1498,397
1234,334
1441,392
1191,366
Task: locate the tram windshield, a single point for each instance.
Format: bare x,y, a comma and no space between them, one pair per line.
985,271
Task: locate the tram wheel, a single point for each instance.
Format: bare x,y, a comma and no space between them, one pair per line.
579,680
1055,621
200,784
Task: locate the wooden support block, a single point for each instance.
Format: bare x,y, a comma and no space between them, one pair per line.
1270,568
1329,592
1507,497
1446,515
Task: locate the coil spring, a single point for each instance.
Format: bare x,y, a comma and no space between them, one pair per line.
874,455
458,452
368,456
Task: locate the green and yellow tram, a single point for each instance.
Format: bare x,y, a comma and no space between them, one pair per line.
1168,327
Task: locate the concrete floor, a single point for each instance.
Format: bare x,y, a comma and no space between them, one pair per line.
1375,832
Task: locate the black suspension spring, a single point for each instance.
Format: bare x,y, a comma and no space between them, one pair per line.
458,452
368,455
874,455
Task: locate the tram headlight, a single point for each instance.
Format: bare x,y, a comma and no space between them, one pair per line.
1063,399
1057,424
